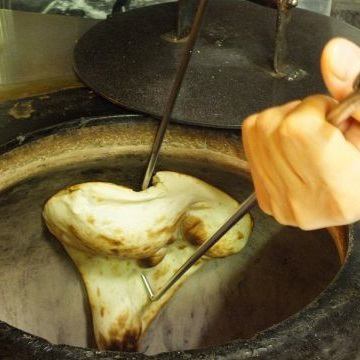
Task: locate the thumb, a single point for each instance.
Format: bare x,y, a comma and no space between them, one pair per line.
340,65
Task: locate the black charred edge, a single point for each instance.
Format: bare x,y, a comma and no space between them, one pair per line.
130,343
146,263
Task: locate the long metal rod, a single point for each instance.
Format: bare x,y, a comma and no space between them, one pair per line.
346,107
179,77
336,116
244,208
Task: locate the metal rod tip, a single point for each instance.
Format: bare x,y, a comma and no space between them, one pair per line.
148,287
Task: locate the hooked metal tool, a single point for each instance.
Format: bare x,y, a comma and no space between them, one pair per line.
246,205
340,113
234,219
346,107
179,77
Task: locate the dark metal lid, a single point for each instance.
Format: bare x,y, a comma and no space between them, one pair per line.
128,60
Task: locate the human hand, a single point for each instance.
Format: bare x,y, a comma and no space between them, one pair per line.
305,172
340,65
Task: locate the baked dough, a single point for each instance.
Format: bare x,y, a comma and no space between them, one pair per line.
113,234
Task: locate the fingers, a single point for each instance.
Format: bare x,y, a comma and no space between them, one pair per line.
306,119
306,172
299,134
278,175
352,133
260,142
262,195
340,65
310,113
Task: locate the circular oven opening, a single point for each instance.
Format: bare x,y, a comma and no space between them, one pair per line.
280,271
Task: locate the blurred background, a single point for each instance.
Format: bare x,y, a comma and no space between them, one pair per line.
348,10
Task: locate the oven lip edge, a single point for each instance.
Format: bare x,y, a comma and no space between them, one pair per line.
273,341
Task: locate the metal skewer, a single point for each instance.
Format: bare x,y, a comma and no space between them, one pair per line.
179,77
244,208
339,114
346,107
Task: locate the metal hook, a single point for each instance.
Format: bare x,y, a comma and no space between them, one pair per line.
179,77
243,210
346,107
339,114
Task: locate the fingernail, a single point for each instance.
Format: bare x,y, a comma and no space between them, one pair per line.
345,60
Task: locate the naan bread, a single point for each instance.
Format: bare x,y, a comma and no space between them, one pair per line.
113,234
